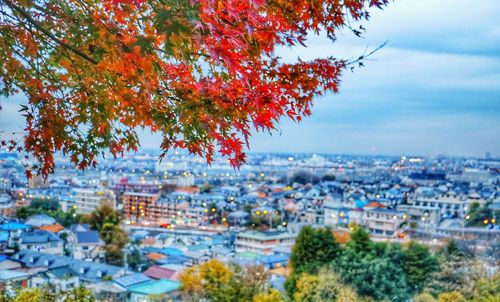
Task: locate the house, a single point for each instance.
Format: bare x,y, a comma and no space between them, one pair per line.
108,291
59,279
384,222
336,215
41,241
263,242
11,280
85,243
14,230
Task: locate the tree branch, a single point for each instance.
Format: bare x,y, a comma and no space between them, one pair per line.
40,27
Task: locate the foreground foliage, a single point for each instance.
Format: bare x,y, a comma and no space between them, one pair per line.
201,73
214,281
365,270
78,294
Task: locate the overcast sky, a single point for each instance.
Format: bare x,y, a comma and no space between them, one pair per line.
434,89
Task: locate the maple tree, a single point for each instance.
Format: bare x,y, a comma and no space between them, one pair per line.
203,73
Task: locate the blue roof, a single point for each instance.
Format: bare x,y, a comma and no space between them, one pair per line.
171,251
131,280
151,249
87,237
359,204
14,226
180,259
87,271
274,259
4,236
39,236
198,247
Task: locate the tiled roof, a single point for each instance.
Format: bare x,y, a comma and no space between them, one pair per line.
273,259
155,256
54,228
157,272
171,251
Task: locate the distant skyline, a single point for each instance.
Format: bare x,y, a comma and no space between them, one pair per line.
434,89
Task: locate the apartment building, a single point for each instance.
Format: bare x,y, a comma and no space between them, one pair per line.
87,200
384,222
263,242
140,207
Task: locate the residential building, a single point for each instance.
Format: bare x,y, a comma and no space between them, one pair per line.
263,242
41,241
84,243
384,222
141,207
87,200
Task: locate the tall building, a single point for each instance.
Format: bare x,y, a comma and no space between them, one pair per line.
87,200
139,206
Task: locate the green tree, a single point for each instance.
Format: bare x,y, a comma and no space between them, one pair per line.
478,214
360,240
106,221
376,277
50,207
135,260
456,274
104,214
419,266
313,249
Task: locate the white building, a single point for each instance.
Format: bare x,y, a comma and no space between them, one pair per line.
87,200
263,242
384,222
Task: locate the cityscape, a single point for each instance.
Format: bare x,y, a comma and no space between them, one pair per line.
180,213
249,151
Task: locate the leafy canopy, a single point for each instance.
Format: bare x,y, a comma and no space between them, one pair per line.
202,73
